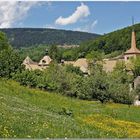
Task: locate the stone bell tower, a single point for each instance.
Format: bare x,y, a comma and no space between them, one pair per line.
133,51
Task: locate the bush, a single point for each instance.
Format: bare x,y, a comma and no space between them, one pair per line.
71,69
28,78
120,93
4,45
10,63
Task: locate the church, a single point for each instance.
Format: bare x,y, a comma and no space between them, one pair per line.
133,52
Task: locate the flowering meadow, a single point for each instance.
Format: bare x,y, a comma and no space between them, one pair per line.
31,113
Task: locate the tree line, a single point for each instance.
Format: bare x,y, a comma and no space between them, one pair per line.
27,37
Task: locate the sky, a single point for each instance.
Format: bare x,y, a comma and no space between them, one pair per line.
94,17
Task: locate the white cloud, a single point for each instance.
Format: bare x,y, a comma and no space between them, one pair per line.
88,27
81,12
13,11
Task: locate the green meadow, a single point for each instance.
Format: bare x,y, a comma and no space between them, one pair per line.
31,113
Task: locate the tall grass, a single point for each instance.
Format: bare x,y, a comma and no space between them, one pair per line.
31,113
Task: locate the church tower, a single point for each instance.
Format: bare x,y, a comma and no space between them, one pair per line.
133,51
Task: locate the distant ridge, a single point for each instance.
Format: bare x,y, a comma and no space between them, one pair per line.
26,37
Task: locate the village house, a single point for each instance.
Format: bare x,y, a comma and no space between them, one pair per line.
30,65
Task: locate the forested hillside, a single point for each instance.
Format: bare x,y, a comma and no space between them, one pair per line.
111,44
25,37
119,40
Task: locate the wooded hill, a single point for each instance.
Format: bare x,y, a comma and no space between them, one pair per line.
27,37
119,40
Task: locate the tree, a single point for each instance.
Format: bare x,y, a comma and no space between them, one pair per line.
135,66
100,87
10,63
55,53
95,55
99,83
119,85
3,42
71,69
120,74
120,93
120,66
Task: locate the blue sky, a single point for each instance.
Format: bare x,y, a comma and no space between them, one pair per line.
95,17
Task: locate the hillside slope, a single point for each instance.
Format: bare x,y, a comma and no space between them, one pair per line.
119,40
32,113
26,37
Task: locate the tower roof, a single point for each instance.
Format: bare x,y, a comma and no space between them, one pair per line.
133,49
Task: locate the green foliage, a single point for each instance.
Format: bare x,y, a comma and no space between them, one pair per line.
26,37
69,54
113,43
120,74
136,66
99,84
68,80
95,55
113,54
55,53
120,82
72,69
4,45
10,63
28,78
31,113
100,88
58,77
120,93
120,66
81,88
36,53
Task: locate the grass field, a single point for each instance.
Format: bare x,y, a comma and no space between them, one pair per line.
31,113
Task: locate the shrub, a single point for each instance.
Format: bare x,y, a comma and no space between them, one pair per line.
28,78
10,63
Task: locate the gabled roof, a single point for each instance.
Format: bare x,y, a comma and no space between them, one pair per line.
82,64
45,60
28,60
